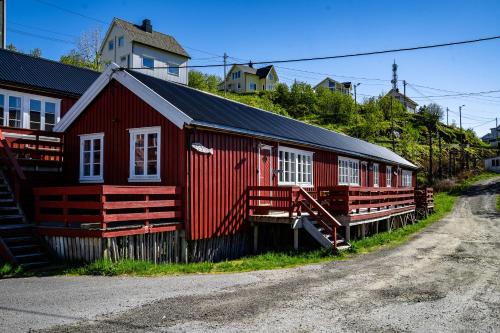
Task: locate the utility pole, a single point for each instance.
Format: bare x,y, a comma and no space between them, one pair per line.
404,92
447,124
461,137
355,96
225,75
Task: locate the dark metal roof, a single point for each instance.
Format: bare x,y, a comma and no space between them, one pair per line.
47,75
155,39
263,71
213,111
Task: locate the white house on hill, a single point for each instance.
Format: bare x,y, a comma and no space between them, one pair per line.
139,46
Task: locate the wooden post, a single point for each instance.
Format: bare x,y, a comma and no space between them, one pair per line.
347,232
296,238
255,238
363,230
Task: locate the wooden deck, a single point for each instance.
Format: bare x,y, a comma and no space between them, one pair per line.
107,211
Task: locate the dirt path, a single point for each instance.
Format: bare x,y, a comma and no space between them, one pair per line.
445,279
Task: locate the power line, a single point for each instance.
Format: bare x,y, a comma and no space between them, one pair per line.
40,36
480,93
350,55
42,29
71,11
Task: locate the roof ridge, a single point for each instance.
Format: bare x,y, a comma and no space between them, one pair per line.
47,60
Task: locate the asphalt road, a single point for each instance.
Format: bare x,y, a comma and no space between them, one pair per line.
445,279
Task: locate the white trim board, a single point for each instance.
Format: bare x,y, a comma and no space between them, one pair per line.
164,107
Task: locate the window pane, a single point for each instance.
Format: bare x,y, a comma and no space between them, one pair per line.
173,69
50,108
14,111
152,168
97,144
292,167
97,169
139,168
34,120
97,156
86,170
86,157
148,62
2,101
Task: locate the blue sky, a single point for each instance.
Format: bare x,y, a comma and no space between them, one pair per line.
267,30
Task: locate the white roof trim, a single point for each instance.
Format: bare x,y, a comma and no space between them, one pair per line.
164,107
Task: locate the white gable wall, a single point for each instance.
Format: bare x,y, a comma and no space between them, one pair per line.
161,59
115,55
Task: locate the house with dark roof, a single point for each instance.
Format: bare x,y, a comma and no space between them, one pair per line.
158,170
35,92
492,138
139,46
245,79
409,104
333,85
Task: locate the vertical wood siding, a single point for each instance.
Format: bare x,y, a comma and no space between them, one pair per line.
113,112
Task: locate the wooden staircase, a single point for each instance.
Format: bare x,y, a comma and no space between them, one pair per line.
319,223
19,243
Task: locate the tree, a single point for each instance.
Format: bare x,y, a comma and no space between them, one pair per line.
202,81
36,52
86,53
431,115
12,47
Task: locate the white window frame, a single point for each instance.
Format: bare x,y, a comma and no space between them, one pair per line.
147,67
252,86
92,178
25,107
350,162
406,180
173,65
132,134
376,175
120,41
111,45
296,152
388,176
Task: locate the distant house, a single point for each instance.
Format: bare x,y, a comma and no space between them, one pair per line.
492,164
493,138
139,46
411,105
343,87
243,79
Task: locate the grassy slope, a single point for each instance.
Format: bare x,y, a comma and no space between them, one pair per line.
443,205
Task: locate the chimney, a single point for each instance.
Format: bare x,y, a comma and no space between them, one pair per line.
250,64
146,25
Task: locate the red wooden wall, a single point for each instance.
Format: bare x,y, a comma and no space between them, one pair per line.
113,112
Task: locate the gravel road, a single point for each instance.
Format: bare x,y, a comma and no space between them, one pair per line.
445,279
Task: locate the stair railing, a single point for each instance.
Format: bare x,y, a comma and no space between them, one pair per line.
308,203
15,172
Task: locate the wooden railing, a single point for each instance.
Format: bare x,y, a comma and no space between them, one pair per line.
271,198
424,197
35,148
293,200
108,206
15,174
346,200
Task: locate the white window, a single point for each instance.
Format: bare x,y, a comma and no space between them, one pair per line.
388,176
2,110
376,175
50,116
91,157
15,119
406,181
253,86
239,86
348,171
173,69
35,114
148,62
145,154
24,110
121,41
295,167
111,45
236,75
271,77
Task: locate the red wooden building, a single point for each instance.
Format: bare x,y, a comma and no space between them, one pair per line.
160,171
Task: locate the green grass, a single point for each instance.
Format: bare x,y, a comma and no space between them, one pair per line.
443,203
498,202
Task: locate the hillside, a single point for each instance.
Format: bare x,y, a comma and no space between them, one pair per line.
421,138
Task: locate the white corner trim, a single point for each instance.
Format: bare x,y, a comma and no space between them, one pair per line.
86,99
164,107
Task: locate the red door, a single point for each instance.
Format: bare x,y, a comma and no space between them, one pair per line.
265,172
